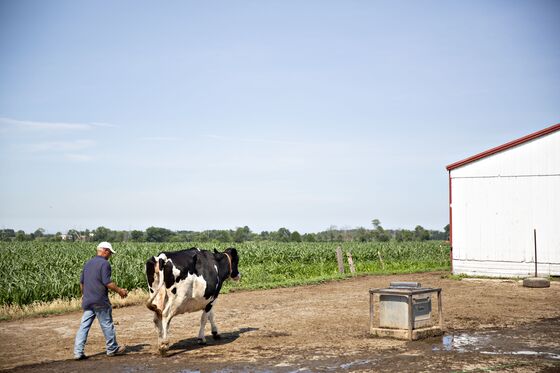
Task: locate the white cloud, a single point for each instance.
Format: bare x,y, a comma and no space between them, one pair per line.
50,126
78,157
160,138
61,146
108,125
259,140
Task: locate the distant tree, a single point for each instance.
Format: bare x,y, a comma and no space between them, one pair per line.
137,236
295,237
73,235
87,235
379,233
7,234
177,237
39,232
283,235
404,235
446,230
156,234
242,234
420,234
332,233
363,235
309,237
102,234
201,236
224,236
21,236
120,236
381,236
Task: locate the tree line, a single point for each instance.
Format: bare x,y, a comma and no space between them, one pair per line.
240,234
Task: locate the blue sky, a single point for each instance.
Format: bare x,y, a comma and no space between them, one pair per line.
296,114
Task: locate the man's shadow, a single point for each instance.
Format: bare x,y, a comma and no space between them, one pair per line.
191,344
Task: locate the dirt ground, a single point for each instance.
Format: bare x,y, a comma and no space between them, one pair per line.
490,325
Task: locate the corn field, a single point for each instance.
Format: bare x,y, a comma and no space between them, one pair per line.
44,271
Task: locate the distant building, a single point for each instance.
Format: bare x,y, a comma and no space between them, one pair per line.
498,198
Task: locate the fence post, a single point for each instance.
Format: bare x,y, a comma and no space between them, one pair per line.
351,262
340,260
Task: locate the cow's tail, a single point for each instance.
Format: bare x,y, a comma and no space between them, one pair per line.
150,303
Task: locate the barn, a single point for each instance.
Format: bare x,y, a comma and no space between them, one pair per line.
501,202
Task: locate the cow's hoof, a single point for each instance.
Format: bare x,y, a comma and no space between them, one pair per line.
163,348
216,336
201,341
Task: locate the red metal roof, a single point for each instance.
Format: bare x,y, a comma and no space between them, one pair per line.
508,145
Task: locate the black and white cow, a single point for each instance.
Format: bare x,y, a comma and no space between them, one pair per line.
187,281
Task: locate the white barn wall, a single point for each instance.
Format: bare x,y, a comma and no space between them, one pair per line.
498,200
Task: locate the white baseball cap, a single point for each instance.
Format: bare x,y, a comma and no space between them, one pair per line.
106,245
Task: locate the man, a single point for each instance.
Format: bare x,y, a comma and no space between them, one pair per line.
94,284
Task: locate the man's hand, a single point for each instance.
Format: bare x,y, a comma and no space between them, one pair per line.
123,293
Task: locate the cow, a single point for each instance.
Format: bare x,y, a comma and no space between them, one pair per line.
187,281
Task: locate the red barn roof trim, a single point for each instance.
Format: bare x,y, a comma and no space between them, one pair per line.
505,146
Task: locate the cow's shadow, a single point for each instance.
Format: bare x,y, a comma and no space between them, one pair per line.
191,344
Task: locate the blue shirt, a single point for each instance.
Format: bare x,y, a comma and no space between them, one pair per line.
95,277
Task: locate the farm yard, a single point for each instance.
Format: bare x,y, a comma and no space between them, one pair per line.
491,325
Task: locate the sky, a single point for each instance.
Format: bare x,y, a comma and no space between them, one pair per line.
267,114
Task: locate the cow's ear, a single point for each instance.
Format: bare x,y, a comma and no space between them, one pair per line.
216,251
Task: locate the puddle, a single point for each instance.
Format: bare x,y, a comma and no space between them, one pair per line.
549,355
462,342
353,364
490,343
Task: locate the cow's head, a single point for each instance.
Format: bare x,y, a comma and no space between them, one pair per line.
235,275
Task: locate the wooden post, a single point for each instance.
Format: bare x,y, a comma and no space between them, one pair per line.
381,260
340,260
351,262
440,309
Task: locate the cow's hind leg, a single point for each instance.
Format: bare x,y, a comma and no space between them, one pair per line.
215,333
203,319
207,314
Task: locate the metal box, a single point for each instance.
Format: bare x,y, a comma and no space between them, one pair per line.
393,311
405,311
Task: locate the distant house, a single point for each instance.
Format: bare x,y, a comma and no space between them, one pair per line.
498,198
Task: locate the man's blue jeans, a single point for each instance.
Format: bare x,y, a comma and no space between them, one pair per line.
105,317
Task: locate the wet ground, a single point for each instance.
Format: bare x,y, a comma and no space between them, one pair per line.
490,326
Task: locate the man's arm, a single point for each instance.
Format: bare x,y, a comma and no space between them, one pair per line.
122,292
106,278
82,282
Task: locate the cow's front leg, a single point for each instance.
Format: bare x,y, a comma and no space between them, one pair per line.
163,339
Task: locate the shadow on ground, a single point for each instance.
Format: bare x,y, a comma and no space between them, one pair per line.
191,344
